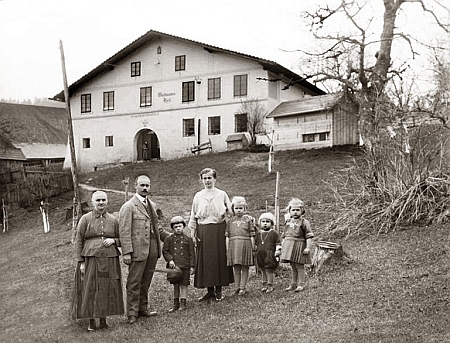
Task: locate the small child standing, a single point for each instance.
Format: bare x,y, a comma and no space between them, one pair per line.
178,251
268,249
296,244
240,242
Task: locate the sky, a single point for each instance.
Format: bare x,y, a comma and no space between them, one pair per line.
94,30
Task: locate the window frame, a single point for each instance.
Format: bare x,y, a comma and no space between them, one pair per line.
214,88
306,137
145,100
180,62
188,91
188,130
213,127
239,122
240,85
109,141
86,142
135,69
84,103
108,101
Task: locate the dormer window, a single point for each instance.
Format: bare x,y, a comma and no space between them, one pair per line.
180,62
135,69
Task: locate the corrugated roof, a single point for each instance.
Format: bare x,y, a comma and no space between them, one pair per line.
305,105
274,67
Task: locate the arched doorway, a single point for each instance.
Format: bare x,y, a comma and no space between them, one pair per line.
147,146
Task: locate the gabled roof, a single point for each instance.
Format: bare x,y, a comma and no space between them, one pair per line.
43,151
305,105
9,152
290,76
28,124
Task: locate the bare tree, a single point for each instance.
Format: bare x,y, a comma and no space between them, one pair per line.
402,158
255,113
366,79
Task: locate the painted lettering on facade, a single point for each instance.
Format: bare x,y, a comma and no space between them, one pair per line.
141,115
166,96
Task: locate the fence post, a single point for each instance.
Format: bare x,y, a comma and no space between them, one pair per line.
5,216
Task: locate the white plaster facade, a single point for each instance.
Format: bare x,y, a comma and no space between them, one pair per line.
156,53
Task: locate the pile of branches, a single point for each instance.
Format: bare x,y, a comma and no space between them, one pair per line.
382,191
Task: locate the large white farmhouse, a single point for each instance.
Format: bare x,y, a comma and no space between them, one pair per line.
161,95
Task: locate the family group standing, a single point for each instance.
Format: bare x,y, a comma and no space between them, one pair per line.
223,242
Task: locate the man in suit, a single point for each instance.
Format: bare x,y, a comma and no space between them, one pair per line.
140,237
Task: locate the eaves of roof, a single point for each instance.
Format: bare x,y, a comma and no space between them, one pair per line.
152,35
304,106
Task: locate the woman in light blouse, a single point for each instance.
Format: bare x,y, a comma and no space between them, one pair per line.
210,208
98,288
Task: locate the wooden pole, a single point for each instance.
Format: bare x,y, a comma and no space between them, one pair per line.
44,211
126,182
5,216
198,132
277,205
74,168
271,155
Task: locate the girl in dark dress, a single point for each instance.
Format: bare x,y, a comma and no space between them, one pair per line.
268,247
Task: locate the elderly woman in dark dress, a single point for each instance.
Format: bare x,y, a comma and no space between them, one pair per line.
98,288
207,223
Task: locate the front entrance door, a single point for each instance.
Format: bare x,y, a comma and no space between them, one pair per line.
147,146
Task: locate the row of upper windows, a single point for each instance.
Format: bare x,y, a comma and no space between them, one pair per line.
240,125
180,64
240,86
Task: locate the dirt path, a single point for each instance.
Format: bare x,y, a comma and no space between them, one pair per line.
92,188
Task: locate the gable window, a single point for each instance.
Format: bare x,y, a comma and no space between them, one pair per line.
109,141
180,62
135,69
108,101
86,143
214,125
240,122
188,91
188,127
85,103
214,88
146,96
240,85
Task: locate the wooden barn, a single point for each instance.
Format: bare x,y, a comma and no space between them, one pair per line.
11,162
314,122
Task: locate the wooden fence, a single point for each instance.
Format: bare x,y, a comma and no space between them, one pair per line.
36,186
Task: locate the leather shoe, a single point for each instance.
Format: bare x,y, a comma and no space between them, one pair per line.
147,313
219,296
92,325
131,319
207,296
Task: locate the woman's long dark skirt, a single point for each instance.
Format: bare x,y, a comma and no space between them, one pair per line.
211,268
99,293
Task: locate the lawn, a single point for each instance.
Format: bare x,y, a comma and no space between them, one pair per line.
396,289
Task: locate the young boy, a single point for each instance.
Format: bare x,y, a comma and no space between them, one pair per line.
178,251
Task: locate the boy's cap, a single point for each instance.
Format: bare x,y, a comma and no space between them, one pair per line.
177,220
174,275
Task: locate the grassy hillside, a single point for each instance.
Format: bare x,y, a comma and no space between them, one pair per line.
396,290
